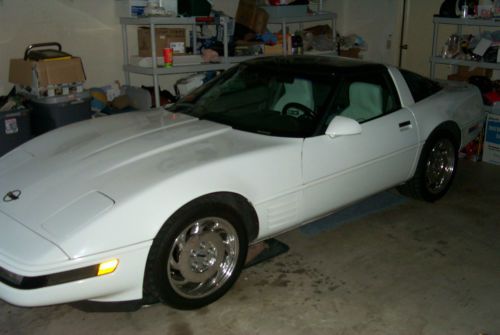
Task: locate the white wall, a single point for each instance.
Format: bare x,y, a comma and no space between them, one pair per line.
90,29
86,28
375,21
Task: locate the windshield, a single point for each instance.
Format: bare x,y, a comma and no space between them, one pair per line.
261,99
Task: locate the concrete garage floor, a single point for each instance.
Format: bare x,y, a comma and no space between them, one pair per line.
416,268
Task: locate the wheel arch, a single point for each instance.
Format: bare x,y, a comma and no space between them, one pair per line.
415,187
449,127
238,206
241,205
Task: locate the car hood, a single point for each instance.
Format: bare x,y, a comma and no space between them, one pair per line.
56,170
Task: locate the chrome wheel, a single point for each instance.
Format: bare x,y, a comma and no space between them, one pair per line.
203,257
440,166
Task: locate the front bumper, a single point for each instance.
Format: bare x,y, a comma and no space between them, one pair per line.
122,285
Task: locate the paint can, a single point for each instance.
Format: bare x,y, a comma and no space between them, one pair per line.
168,57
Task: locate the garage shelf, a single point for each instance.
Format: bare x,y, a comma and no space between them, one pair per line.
225,61
459,23
470,63
315,17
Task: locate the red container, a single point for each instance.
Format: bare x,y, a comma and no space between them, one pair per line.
168,57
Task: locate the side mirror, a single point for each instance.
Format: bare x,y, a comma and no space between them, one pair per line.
341,126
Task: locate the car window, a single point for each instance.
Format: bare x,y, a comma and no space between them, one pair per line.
365,97
262,100
420,87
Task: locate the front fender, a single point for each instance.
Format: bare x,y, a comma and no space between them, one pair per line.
137,216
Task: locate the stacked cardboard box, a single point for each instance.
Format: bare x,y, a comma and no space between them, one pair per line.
54,88
47,77
164,38
251,16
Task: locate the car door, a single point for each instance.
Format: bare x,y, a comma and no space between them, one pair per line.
342,169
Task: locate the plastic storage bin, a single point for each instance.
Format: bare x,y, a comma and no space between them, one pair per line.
14,129
48,113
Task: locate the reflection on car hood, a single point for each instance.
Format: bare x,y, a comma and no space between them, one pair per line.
58,167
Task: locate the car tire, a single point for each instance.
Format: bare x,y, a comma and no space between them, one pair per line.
436,168
196,257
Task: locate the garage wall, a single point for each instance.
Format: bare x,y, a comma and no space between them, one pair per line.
90,29
375,21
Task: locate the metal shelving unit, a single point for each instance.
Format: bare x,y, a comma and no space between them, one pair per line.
323,16
459,23
225,62
156,71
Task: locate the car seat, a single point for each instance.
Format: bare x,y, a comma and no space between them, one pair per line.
365,101
300,91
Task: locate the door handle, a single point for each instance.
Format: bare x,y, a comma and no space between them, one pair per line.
404,125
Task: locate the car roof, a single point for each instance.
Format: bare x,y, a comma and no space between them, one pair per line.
316,65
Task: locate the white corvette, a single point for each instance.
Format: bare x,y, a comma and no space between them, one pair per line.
162,205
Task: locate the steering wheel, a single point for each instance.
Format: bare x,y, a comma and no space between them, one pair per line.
308,113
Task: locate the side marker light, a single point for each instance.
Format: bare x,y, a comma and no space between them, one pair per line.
107,267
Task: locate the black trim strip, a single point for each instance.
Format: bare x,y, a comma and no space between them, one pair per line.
109,307
405,124
29,283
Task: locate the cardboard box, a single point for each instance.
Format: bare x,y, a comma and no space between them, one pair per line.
464,73
277,49
491,147
475,71
164,38
251,16
351,53
46,72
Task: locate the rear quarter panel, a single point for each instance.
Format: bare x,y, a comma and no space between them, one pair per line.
457,102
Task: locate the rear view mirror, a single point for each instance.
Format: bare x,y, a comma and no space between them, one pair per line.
341,126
